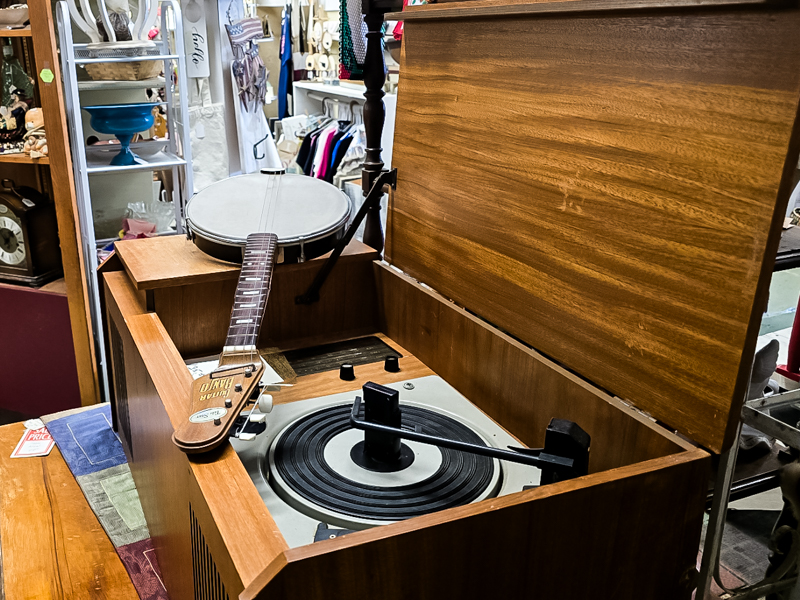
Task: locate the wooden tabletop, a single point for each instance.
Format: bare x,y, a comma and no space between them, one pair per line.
51,543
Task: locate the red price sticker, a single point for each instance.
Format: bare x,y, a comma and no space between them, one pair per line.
34,442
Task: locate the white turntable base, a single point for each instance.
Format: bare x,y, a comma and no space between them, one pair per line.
431,392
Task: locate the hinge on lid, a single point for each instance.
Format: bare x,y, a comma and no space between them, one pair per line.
635,409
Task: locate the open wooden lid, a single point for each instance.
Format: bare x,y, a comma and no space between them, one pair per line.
608,187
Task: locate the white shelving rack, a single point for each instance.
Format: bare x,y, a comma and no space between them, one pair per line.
176,155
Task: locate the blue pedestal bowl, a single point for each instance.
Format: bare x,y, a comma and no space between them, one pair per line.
123,121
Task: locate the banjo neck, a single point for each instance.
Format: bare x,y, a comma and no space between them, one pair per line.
252,291
217,398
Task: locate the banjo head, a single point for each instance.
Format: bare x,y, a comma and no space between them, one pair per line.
296,208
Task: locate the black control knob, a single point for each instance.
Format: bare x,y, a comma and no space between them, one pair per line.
346,372
391,364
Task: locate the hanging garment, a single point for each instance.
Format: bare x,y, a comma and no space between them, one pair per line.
323,145
338,154
356,153
344,126
300,53
341,129
353,40
397,32
285,83
305,154
308,164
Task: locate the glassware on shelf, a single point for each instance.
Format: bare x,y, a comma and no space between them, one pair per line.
124,121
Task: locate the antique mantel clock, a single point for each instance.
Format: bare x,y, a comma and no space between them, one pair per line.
29,251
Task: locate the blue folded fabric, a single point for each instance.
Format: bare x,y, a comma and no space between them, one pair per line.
87,441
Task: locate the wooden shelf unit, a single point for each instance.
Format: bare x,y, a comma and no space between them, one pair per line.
16,32
50,97
24,159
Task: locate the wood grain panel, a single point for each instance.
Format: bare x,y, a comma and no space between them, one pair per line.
160,470
197,315
171,379
173,260
451,9
572,540
168,481
607,189
170,260
328,382
63,189
514,385
53,546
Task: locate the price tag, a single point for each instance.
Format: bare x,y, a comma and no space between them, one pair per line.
34,442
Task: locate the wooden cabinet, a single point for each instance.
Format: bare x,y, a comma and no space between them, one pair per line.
646,483
53,174
588,205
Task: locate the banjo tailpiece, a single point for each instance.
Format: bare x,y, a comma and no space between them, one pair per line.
219,397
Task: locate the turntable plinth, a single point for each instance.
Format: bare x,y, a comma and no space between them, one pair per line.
589,202
210,521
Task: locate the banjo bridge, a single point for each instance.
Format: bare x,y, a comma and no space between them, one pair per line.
247,370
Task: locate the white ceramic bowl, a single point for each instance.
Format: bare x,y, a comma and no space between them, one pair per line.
13,16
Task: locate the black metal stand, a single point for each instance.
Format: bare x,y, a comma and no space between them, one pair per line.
373,199
373,176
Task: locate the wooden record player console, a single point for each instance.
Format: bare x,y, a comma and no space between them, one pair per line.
591,195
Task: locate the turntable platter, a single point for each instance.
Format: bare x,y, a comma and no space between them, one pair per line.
317,480
311,468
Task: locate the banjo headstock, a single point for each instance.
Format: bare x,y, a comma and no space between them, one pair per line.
217,399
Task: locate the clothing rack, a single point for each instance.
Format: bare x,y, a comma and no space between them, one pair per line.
350,106
309,97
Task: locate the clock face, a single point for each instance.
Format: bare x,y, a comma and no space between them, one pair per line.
12,242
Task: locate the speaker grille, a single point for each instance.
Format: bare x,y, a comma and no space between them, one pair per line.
120,386
207,582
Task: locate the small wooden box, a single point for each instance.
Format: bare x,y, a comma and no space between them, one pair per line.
591,195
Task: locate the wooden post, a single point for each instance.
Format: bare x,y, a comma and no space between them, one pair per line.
63,188
374,116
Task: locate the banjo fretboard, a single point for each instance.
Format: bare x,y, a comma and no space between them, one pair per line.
252,291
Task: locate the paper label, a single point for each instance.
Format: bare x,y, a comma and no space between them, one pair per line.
34,442
208,414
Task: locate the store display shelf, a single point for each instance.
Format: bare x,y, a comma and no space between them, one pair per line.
25,32
100,162
92,85
124,59
347,91
23,159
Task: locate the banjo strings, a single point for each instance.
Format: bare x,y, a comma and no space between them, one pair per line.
266,222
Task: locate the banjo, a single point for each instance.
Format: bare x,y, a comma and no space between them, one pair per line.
257,220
